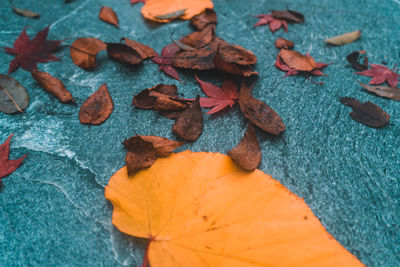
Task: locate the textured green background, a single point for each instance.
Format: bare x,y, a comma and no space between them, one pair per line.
52,209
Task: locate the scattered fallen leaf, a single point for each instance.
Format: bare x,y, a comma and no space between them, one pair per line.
288,15
218,98
198,39
144,150
353,60
123,54
297,61
384,91
53,86
342,39
259,113
199,209
143,50
366,113
247,154
83,52
165,60
167,10
8,166
205,18
381,74
107,14
28,52
137,1
13,95
25,12
97,108
283,43
189,124
274,23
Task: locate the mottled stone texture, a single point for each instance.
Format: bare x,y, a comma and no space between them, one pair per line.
52,209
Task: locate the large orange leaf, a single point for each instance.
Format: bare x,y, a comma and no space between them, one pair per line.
166,10
200,209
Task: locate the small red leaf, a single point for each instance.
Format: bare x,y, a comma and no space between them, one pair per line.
381,74
8,166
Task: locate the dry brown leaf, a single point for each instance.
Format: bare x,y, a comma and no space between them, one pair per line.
297,61
283,43
189,124
345,38
383,91
207,17
53,86
97,108
143,50
84,50
231,67
167,10
200,38
123,54
259,113
247,154
107,14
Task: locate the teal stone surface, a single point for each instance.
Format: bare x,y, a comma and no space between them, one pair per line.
52,209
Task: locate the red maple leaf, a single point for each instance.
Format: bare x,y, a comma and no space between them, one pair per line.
165,60
280,64
29,52
8,166
137,1
381,74
274,24
218,97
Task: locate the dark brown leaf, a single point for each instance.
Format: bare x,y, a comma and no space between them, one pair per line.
83,52
231,67
97,108
143,50
288,15
247,154
144,150
123,54
236,54
53,86
366,113
107,14
283,43
189,124
353,60
200,38
259,113
205,18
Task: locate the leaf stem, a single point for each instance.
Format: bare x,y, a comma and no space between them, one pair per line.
11,98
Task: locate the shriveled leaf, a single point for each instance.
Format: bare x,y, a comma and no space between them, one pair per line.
383,91
107,14
247,154
29,52
143,50
53,86
189,124
283,43
144,150
259,113
97,108
199,209
8,166
13,95
25,12
288,15
297,61
167,10
353,60
123,54
380,74
83,52
198,39
366,113
205,18
345,38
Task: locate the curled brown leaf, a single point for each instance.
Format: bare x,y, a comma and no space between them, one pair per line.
283,43
107,14
207,17
53,86
123,54
97,108
143,50
83,52
189,124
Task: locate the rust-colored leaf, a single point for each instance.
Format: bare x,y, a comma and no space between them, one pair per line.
8,166
189,124
366,113
123,54
83,52
288,15
283,43
247,154
144,150
383,91
236,54
53,86
225,62
97,108
199,39
205,18
143,50
259,113
107,14
297,61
